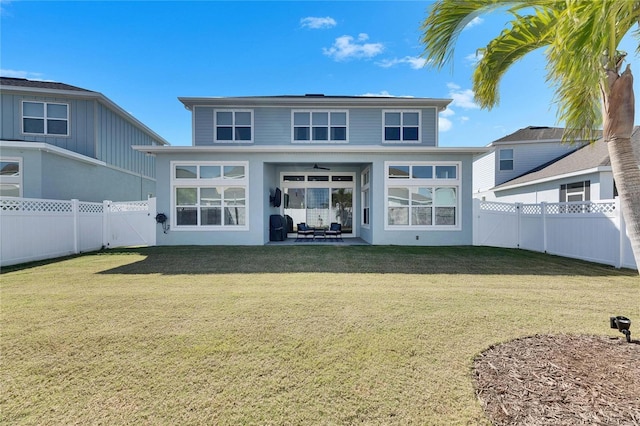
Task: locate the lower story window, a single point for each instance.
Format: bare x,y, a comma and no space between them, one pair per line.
577,191
10,177
210,206
422,206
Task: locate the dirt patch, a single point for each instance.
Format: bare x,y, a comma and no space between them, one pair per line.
561,380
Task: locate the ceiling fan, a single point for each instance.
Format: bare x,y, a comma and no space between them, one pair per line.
316,167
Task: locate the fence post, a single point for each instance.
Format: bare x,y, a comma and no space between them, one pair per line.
543,211
75,211
622,232
518,222
106,217
476,220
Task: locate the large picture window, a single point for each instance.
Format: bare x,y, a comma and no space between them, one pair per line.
233,126
45,118
210,195
320,126
422,195
401,126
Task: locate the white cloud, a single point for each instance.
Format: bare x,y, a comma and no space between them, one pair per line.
21,74
474,22
461,98
385,94
448,112
414,62
474,58
346,47
316,23
444,124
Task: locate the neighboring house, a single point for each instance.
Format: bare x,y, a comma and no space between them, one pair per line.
371,164
515,155
583,175
62,142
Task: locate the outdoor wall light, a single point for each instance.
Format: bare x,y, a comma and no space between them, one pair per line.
622,324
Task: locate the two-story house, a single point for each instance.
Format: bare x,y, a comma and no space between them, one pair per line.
59,141
582,175
371,164
515,155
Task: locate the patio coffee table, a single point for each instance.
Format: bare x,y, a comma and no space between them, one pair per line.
319,232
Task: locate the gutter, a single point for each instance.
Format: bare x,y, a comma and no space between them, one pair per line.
288,149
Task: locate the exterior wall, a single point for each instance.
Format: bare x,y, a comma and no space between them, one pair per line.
601,189
115,136
81,137
272,126
528,156
484,172
52,176
264,174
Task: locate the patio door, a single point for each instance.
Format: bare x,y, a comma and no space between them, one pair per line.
319,200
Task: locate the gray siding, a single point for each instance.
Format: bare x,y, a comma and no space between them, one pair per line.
203,126
272,126
81,137
527,156
115,137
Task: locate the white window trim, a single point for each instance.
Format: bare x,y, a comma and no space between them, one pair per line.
434,182
402,111
45,118
311,141
208,183
13,180
365,188
513,159
233,141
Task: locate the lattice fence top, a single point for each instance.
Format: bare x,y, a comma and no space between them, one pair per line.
85,207
581,208
130,206
35,205
498,207
586,207
531,209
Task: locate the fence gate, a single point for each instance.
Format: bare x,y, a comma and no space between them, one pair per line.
130,223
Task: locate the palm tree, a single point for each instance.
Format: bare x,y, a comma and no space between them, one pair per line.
584,67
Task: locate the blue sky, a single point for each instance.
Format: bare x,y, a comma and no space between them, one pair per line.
143,55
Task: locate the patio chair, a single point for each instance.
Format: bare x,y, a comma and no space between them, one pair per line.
304,231
334,231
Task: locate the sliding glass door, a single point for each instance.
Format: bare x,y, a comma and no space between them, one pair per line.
318,200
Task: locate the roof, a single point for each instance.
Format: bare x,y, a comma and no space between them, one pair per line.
587,157
534,134
51,87
38,84
315,100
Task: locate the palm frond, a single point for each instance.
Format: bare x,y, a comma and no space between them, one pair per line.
526,34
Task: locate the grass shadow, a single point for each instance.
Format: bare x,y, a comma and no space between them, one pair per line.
178,260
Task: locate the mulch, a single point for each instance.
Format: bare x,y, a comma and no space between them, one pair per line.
560,380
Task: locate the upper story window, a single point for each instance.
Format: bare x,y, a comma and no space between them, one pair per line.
45,118
401,126
233,126
10,177
320,126
506,159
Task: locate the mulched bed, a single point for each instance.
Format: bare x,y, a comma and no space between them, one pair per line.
561,380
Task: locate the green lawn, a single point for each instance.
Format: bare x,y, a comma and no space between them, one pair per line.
282,335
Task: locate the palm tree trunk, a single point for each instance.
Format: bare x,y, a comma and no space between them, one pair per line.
618,114
627,177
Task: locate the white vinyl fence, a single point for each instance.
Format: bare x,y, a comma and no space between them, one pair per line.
35,229
591,230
